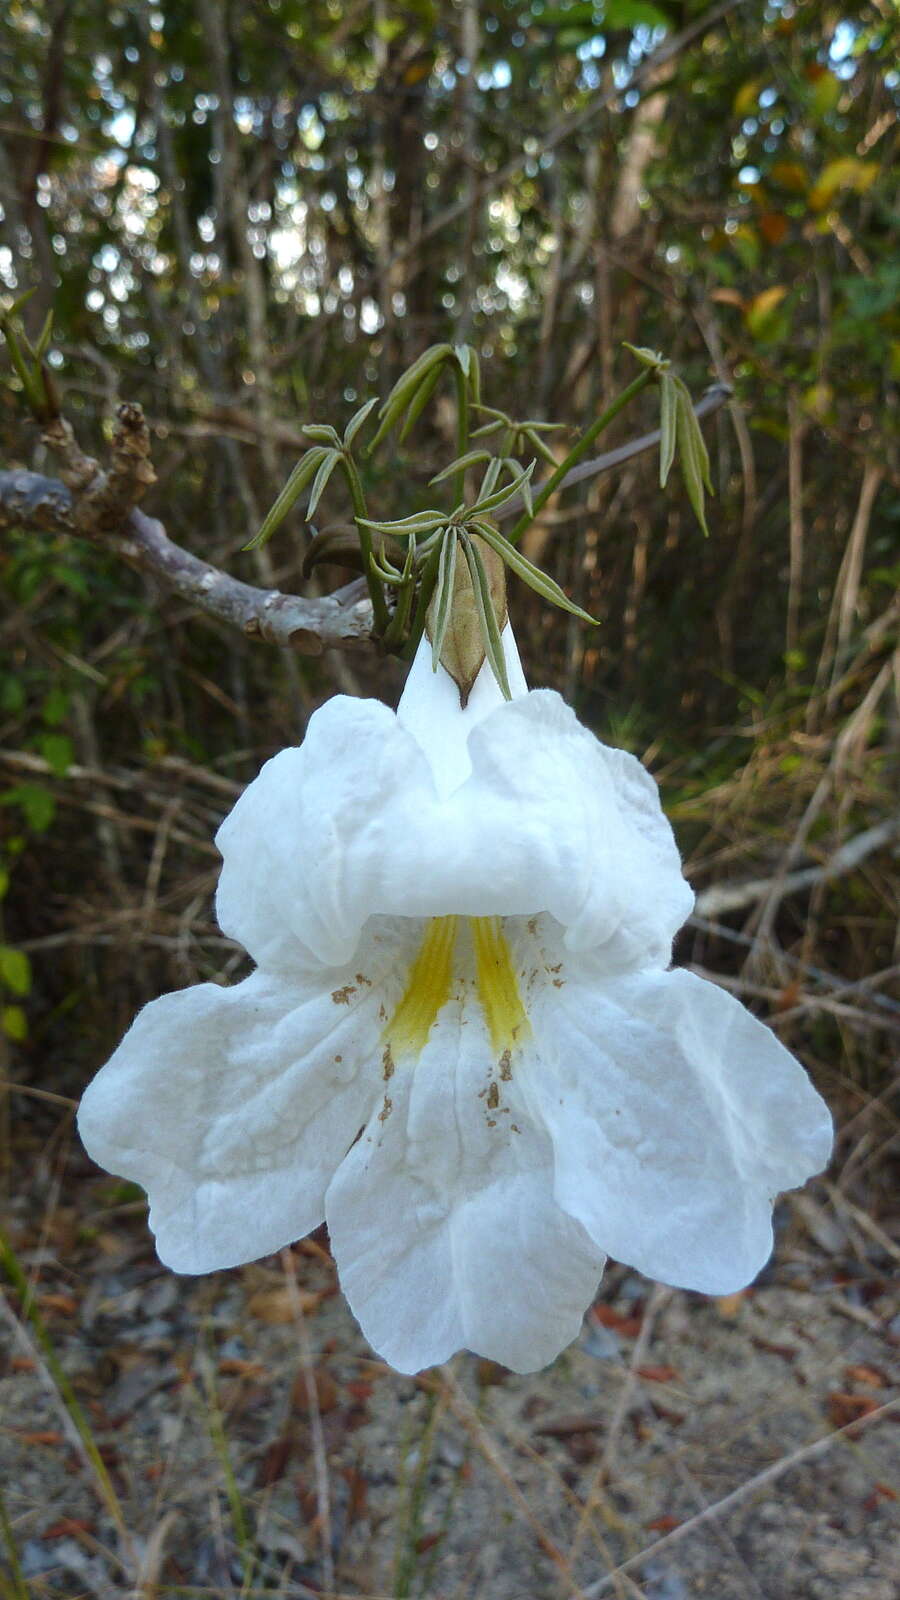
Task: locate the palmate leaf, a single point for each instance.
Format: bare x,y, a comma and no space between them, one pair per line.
530,574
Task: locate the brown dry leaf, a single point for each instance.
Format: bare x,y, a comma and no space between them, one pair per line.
867,1375
728,1305
274,1306
326,1391
608,1317
844,1408
661,1374
663,1524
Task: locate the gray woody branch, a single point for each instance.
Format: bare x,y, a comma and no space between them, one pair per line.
98,505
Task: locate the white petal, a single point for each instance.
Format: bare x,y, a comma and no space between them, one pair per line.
351,826
676,1118
429,707
584,823
233,1108
443,1222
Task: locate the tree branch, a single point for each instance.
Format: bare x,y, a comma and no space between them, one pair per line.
28,500
99,506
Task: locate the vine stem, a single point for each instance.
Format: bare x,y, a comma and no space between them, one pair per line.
581,449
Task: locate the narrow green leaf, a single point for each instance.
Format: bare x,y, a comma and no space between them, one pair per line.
668,405
462,464
321,433
419,522
696,432
419,401
463,354
539,445
647,357
688,459
489,481
493,644
407,385
523,483
500,497
474,376
299,478
533,576
326,468
357,420
40,349
444,596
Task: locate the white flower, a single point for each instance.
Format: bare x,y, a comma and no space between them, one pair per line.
461,1045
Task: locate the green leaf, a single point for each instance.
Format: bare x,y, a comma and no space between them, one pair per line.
692,457
419,522
357,420
501,496
443,596
322,433
58,752
490,631
4,882
668,407
14,1023
15,969
55,706
533,576
419,402
461,464
299,478
326,468
405,388
36,803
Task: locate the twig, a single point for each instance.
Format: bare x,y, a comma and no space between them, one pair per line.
807,1452
309,626
736,896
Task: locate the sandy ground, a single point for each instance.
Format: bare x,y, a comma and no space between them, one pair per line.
470,1481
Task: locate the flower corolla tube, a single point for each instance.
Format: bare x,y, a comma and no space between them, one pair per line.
462,1045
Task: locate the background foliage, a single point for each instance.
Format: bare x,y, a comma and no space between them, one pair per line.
250,216
247,215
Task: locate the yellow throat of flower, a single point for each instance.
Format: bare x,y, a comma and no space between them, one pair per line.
431,978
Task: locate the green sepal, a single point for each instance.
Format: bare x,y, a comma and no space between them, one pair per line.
442,599
490,631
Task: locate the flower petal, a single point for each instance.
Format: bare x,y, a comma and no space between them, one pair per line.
233,1108
443,1222
429,707
676,1118
583,823
351,826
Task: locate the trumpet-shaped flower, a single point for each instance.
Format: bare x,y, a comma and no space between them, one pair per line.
461,1046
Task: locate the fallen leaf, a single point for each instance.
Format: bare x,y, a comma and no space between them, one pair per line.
844,1408
275,1306
663,1524
326,1391
867,1375
657,1374
609,1317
